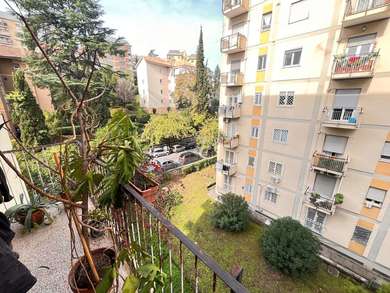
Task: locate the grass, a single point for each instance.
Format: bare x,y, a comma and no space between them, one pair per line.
229,249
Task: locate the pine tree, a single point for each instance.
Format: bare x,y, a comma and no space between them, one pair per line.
216,82
202,84
26,113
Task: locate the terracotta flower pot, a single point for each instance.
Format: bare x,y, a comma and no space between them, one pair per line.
37,217
77,267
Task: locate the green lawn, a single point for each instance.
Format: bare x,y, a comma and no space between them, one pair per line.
228,249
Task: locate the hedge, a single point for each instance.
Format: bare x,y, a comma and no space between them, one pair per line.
199,165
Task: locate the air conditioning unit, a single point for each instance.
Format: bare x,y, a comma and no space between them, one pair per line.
275,179
271,189
369,204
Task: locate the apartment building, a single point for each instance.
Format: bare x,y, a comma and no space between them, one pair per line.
180,57
305,117
121,62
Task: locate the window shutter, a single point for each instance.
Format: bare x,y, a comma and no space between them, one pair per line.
324,185
235,65
346,98
376,194
335,144
386,150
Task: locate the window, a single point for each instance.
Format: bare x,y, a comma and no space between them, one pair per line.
248,188
361,235
3,26
266,22
375,197
5,40
299,10
361,45
275,168
229,157
270,194
286,98
315,220
280,135
344,104
262,63
292,57
251,161
160,81
255,132
257,100
324,185
386,151
161,91
335,145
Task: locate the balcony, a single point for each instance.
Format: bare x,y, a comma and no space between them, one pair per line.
329,164
225,168
360,12
230,142
233,8
233,43
232,79
230,112
347,67
320,203
343,118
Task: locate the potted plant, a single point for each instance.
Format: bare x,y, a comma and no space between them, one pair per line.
145,186
98,220
314,197
338,198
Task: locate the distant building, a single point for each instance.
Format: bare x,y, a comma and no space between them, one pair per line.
180,57
120,63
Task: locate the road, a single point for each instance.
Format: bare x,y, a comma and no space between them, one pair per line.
175,156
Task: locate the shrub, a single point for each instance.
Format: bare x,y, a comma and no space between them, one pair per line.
290,247
231,214
385,288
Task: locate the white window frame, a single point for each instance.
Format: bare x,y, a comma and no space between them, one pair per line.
266,27
7,40
248,188
275,168
280,136
284,98
375,203
270,196
263,63
230,157
255,132
290,12
293,52
258,99
312,227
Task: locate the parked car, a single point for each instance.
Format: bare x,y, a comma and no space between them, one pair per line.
188,157
159,152
177,148
166,165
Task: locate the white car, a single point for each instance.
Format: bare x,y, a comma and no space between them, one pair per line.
159,152
177,148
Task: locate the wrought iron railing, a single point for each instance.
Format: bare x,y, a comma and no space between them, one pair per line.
229,4
359,6
188,268
232,42
345,115
230,111
355,64
329,163
320,201
230,142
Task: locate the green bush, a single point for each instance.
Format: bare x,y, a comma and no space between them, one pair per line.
231,213
197,166
385,288
290,247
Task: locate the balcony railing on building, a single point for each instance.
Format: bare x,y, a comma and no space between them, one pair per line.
232,8
230,142
322,203
226,168
233,43
346,118
230,111
364,11
359,66
329,164
232,79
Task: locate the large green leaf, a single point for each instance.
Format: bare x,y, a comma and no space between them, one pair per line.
131,285
106,283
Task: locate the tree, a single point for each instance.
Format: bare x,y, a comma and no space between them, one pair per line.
202,83
385,288
231,213
26,113
184,94
125,91
208,136
167,128
75,38
216,82
290,247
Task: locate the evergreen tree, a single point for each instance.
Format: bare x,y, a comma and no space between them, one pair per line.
202,83
26,113
216,82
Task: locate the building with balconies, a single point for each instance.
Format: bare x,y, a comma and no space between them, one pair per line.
311,81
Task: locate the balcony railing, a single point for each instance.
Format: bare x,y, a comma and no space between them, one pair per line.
363,11
226,168
230,142
230,111
329,164
232,8
342,117
233,43
360,66
320,202
232,78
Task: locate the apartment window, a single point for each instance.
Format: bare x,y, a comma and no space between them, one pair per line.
361,235
271,194
299,10
262,62
375,197
248,188
344,104
257,100
292,57
255,132
386,151
286,98
324,185
361,45
315,220
5,40
275,168
229,157
266,21
3,26
335,145
280,135
251,161
161,91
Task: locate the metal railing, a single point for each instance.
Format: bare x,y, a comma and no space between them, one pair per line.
359,6
343,115
321,202
235,41
229,4
230,142
230,111
232,78
188,268
226,168
355,64
329,163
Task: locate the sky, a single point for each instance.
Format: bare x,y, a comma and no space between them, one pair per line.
166,24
